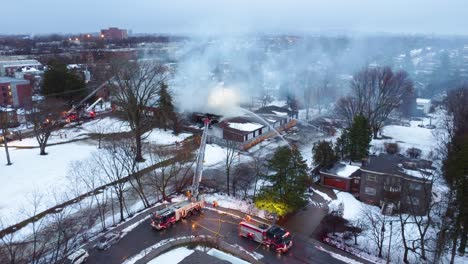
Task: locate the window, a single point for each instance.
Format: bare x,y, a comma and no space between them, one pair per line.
371,178
415,186
412,200
370,191
356,181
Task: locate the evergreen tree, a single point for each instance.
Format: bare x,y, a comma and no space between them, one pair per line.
62,82
341,145
288,183
166,107
324,156
359,136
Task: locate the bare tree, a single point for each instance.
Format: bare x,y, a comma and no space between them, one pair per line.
114,172
86,173
376,225
99,129
11,247
404,222
375,93
242,180
4,131
230,154
135,87
46,116
36,244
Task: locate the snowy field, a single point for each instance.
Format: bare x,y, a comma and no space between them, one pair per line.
46,176
161,137
412,136
34,174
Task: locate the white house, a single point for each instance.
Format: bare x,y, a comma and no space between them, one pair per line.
423,105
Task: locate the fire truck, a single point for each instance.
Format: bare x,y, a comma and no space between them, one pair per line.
272,236
168,216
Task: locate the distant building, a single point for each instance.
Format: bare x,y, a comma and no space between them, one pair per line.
15,92
114,33
9,67
8,114
423,105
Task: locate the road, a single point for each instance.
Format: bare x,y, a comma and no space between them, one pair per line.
211,223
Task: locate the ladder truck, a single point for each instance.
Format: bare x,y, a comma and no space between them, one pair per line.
166,217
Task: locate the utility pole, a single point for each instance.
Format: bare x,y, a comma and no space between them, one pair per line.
389,243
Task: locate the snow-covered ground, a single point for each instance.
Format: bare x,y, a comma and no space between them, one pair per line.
106,125
215,155
352,207
46,176
34,174
173,256
161,137
234,203
413,136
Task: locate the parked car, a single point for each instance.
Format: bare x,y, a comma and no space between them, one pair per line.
108,240
78,257
9,136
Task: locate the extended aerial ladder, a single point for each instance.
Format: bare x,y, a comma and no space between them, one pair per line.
199,162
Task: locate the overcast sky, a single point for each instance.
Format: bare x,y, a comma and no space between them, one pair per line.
235,16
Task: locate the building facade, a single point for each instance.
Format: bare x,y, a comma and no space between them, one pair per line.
114,33
15,92
398,181
392,182
9,67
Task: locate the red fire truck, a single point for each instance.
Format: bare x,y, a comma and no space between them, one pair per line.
168,216
271,236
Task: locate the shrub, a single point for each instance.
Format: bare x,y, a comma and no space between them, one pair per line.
392,148
414,153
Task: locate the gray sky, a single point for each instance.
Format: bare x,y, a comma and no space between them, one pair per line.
235,16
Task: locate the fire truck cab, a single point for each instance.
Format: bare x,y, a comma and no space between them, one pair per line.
168,216
271,236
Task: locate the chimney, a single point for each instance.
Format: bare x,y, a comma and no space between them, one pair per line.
364,162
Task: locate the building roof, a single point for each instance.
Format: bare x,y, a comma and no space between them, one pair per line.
19,63
13,80
397,165
241,125
342,170
276,110
423,101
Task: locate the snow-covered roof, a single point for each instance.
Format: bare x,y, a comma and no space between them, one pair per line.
280,113
423,101
347,170
245,126
342,170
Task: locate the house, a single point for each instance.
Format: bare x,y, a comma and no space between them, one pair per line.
15,92
395,180
423,105
342,177
248,131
